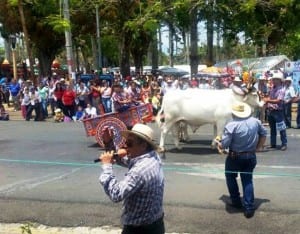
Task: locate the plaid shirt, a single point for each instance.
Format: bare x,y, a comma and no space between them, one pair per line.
276,93
141,189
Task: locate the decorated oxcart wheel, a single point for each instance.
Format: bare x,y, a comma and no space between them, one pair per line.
117,126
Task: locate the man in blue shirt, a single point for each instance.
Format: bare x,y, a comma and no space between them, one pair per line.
14,89
142,188
244,135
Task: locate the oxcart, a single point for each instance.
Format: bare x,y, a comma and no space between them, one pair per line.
118,121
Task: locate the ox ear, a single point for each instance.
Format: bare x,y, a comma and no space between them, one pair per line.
245,89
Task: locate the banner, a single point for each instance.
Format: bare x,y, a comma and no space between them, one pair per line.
293,69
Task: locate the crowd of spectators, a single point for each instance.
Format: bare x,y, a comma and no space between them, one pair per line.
79,99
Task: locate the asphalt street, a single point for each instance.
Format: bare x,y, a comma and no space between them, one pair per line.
47,176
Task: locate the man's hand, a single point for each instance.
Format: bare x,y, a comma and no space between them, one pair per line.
107,157
219,145
266,99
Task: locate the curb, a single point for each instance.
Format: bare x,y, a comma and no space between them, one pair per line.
17,228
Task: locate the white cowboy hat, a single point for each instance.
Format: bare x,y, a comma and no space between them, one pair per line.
241,110
288,79
142,131
262,77
277,75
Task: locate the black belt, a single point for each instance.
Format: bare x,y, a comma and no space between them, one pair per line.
235,154
159,221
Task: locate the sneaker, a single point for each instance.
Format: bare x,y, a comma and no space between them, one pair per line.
271,147
283,147
249,213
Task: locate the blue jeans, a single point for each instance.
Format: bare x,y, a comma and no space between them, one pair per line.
107,104
244,164
44,108
276,116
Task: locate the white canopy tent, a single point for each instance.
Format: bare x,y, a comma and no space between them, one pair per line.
256,65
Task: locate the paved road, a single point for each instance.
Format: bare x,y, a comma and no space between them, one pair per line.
47,176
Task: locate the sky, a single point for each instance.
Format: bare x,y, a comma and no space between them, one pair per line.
201,37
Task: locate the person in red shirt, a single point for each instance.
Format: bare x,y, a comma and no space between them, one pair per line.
194,82
58,93
95,89
146,92
68,100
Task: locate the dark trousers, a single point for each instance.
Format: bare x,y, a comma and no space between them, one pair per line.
36,108
298,115
244,164
276,116
288,114
156,227
69,110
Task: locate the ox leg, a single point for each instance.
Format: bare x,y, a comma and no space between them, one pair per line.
218,131
162,139
185,132
213,143
176,134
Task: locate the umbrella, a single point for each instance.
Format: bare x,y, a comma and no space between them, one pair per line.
172,71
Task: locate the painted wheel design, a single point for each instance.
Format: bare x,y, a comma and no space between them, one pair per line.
117,126
88,127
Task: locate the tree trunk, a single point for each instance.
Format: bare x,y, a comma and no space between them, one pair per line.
94,51
124,55
194,57
26,38
210,36
171,45
154,54
160,46
45,63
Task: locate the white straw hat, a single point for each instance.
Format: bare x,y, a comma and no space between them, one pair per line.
241,110
142,131
289,79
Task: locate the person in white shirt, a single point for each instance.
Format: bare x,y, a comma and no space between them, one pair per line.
169,85
82,92
90,111
289,97
35,104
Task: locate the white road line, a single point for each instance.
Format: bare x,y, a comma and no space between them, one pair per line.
32,183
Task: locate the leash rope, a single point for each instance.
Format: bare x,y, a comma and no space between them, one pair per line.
167,168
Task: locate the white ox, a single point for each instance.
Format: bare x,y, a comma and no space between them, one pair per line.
196,107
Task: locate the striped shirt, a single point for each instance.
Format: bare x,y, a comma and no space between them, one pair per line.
141,190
